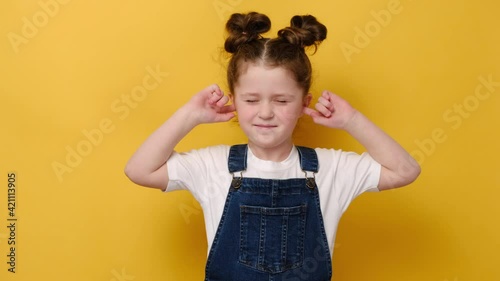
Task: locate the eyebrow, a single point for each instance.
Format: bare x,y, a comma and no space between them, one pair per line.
272,95
250,94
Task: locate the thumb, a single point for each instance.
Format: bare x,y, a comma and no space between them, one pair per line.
316,116
228,108
309,111
224,117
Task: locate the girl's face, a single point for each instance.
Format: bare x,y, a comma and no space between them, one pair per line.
269,103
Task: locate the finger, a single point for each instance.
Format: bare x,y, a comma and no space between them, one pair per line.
214,88
317,117
326,94
228,108
215,97
225,117
309,111
229,116
328,104
222,101
333,97
323,110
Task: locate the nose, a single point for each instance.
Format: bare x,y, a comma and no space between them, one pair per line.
266,111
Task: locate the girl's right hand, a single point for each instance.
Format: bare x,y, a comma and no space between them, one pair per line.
210,106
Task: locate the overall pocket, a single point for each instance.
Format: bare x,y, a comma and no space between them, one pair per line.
272,239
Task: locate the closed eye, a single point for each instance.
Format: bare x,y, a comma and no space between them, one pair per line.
251,101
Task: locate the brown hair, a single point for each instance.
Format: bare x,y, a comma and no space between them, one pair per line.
246,45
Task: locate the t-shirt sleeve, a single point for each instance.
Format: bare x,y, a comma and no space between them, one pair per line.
181,167
193,169
348,174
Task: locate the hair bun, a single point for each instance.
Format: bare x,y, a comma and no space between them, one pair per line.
304,31
244,28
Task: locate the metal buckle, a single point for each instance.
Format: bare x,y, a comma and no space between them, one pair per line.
310,181
236,182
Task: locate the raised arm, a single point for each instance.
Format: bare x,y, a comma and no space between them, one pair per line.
147,166
398,167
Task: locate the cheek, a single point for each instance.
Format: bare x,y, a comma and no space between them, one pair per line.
291,113
244,112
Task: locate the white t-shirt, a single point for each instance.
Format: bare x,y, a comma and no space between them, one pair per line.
341,177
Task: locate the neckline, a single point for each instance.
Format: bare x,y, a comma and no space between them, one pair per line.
269,165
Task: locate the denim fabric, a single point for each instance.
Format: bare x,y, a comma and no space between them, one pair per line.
270,229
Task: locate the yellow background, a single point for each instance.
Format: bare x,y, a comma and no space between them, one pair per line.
409,77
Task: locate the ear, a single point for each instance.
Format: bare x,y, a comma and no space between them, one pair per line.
307,100
231,97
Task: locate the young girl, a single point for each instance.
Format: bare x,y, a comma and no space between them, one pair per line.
271,208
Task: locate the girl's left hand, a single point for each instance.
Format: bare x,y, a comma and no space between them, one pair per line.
331,111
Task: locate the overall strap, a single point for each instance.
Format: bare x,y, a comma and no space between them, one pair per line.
237,160
308,159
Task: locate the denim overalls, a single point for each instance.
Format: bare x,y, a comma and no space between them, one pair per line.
270,229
